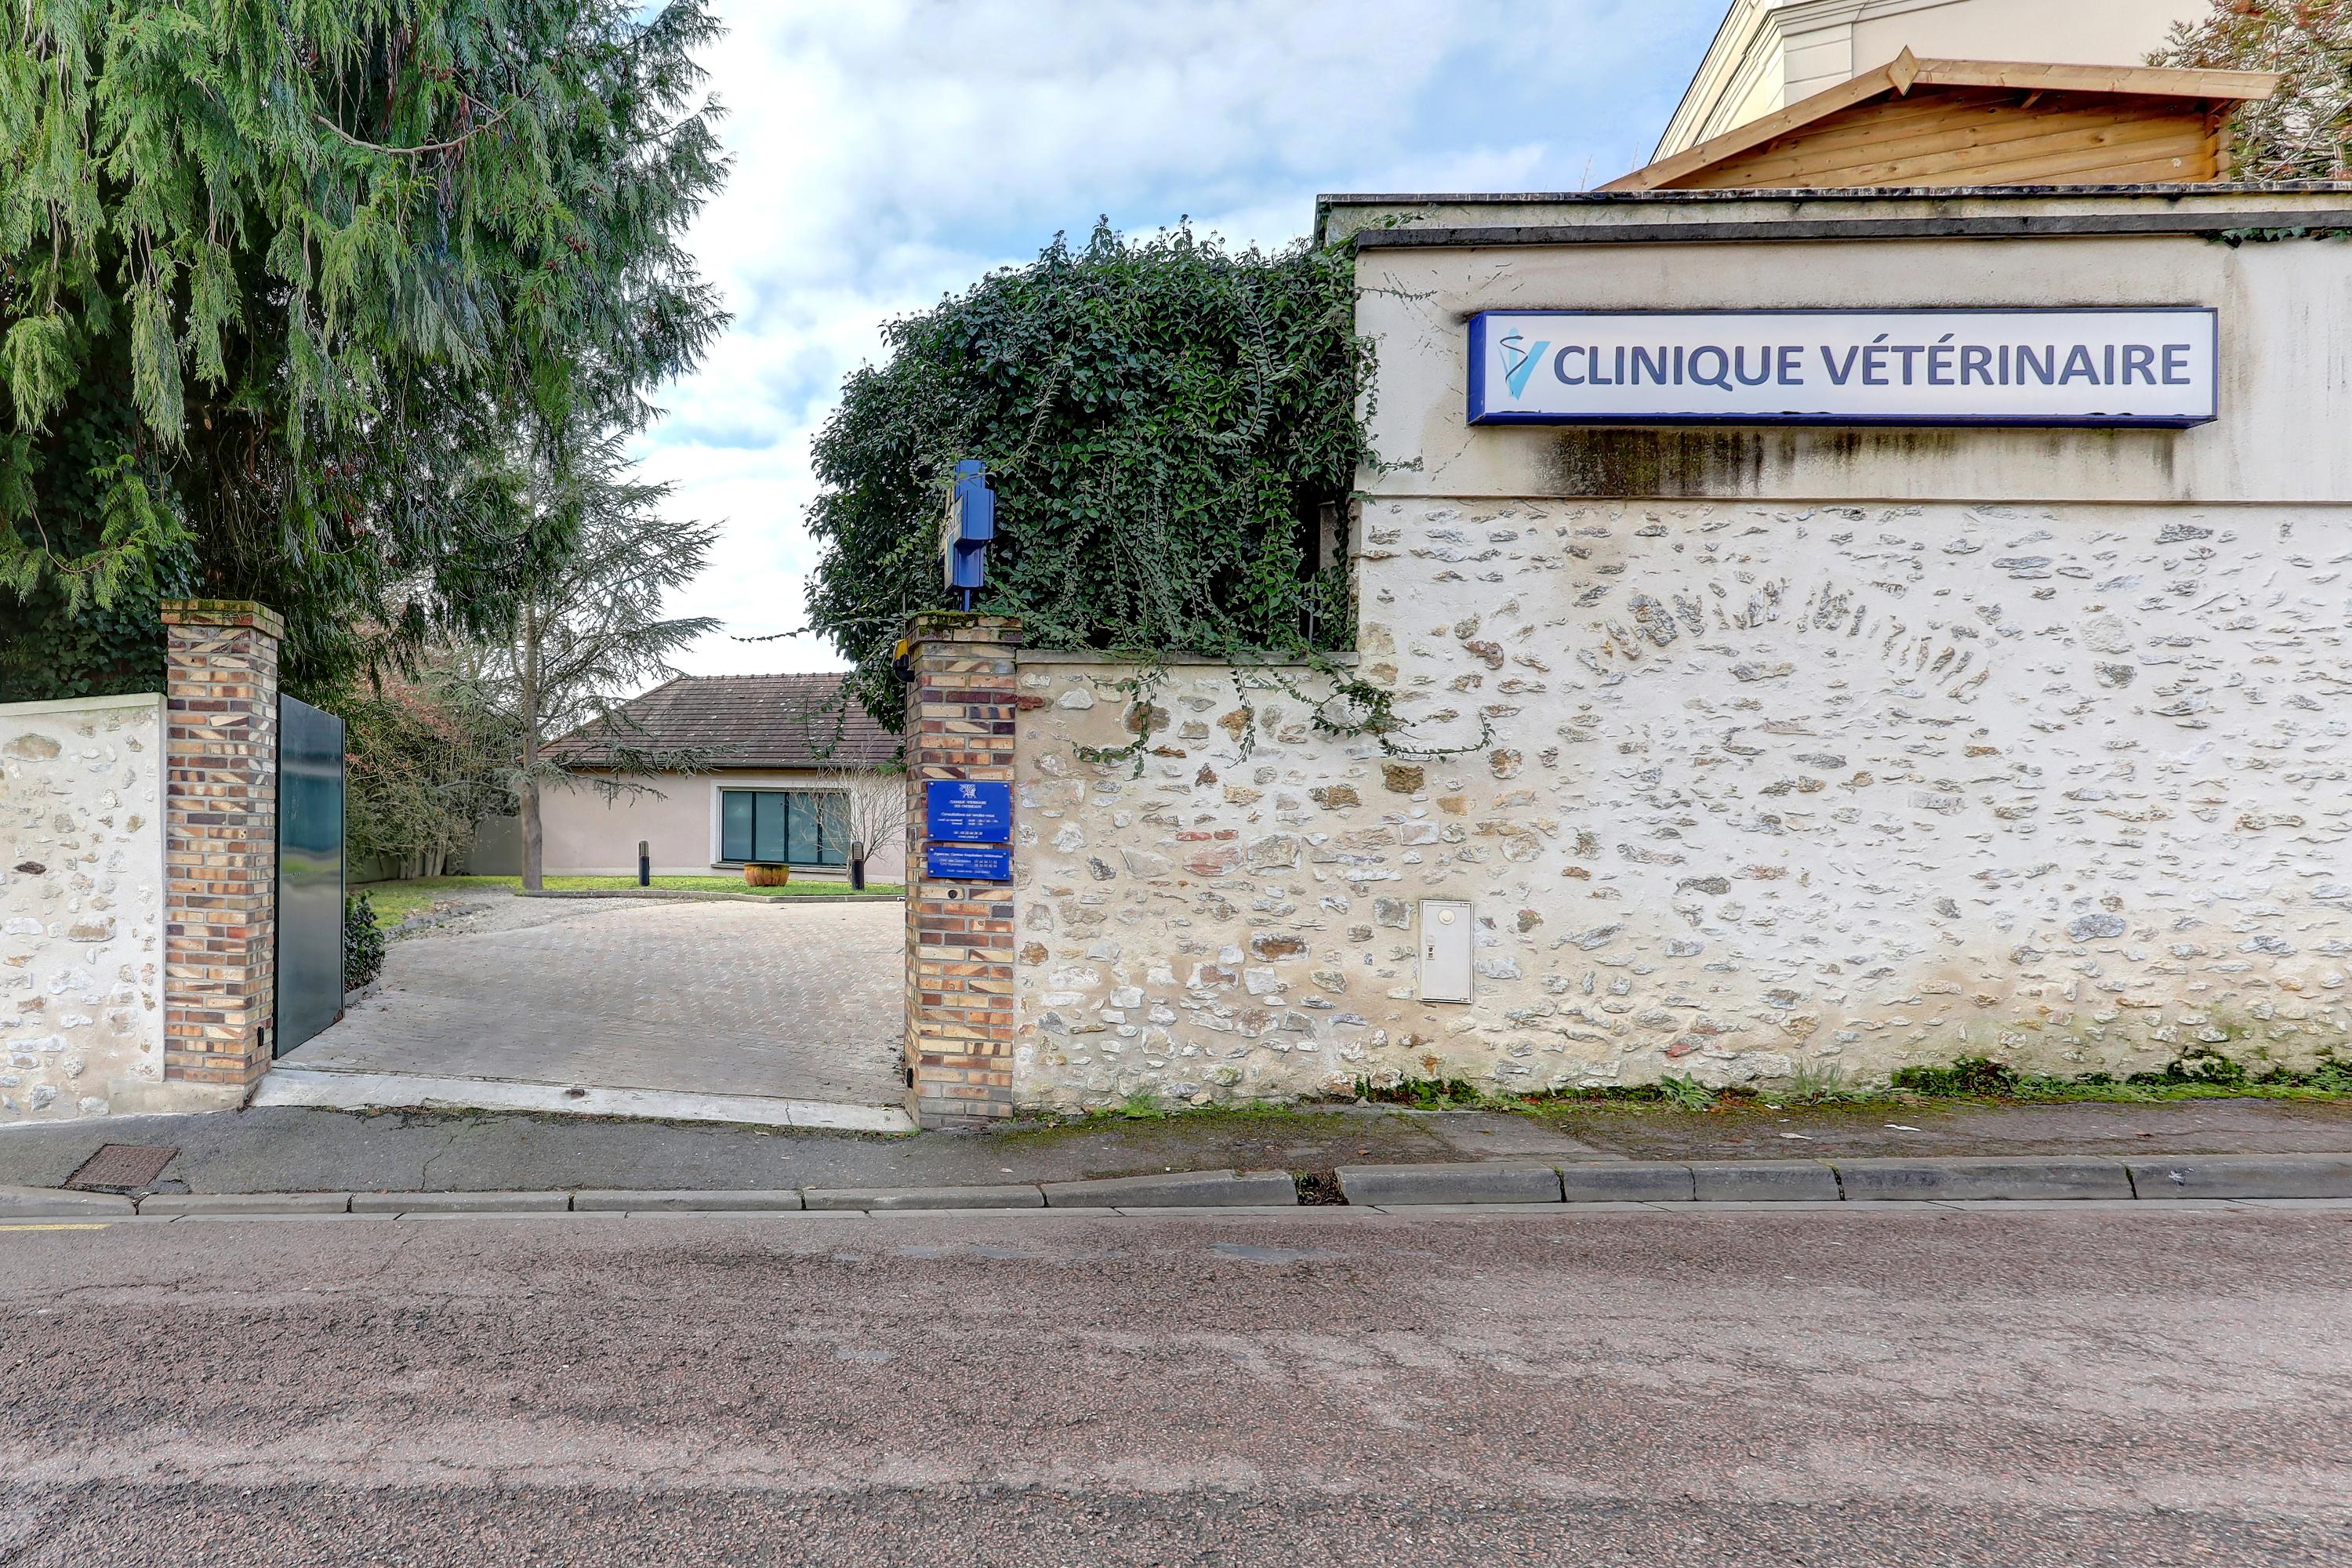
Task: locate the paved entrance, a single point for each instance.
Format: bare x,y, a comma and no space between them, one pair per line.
608,1002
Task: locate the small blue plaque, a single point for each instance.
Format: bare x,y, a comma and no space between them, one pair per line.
968,811
967,863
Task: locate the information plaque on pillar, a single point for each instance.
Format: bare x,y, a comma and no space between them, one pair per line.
967,863
968,811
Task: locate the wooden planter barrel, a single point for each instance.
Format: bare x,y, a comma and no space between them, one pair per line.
760,874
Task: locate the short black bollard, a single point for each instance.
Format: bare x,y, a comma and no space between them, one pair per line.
644,866
857,867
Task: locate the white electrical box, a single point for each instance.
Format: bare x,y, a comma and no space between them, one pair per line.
1446,944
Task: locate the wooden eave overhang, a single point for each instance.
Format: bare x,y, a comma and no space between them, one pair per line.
1899,77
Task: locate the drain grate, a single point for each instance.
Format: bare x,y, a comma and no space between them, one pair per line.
122,1168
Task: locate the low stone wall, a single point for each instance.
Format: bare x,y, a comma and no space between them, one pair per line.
81,906
1756,792
1234,922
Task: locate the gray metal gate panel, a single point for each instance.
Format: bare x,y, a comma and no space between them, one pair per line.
309,872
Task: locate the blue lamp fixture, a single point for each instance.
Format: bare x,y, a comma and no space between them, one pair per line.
971,524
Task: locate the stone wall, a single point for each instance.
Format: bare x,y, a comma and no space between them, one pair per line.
81,906
1762,790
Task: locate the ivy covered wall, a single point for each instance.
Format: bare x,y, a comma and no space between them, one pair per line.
1172,429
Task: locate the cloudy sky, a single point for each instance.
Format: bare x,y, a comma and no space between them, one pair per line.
888,151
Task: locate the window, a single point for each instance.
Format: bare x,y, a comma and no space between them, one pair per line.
785,826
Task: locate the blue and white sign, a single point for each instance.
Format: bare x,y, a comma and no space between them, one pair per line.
968,811
2121,366
967,863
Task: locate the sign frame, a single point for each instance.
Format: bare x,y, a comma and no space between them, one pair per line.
967,862
968,811
1479,415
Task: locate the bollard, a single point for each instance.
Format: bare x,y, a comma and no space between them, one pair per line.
645,865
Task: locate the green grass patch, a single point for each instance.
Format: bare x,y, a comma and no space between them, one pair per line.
396,901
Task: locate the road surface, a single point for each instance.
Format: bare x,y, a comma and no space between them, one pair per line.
2067,1385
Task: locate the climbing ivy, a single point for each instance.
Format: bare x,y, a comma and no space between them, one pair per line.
1174,429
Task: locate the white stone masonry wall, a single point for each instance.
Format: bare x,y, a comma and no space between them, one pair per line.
81,905
1768,790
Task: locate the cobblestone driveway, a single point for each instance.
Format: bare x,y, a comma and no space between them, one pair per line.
799,1001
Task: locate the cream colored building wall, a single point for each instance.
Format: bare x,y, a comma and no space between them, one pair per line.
586,836
81,906
1772,53
2286,337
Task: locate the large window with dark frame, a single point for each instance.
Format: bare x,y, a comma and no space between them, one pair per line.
784,826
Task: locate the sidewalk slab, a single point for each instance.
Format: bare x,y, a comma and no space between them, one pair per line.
23,1203
1766,1181
246,1202
617,1200
887,1200
335,1089
1177,1189
1234,1211
1631,1181
1392,1187
460,1203
1982,1179
2244,1176
1504,1135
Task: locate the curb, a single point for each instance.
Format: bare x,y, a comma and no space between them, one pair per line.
2015,1179
624,1200
38,1202
2242,1177
1977,1179
1178,1189
1385,1186
895,1200
1749,1184
246,1202
707,896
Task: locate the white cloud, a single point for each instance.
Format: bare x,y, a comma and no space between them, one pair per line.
892,151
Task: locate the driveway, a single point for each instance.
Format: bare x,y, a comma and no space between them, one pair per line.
789,1002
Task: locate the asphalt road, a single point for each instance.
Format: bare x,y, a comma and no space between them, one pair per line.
2070,1385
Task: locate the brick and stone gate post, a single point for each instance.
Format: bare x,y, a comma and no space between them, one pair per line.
961,708
220,840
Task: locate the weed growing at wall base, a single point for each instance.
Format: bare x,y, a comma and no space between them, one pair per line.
2201,1074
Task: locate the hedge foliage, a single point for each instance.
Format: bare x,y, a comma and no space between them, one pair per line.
1173,432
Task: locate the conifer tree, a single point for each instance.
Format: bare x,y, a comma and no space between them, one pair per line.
279,283
589,630
2305,132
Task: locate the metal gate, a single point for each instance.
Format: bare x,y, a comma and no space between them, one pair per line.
309,872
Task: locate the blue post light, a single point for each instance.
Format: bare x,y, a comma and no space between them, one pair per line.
971,524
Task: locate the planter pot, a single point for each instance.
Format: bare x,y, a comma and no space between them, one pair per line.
758,874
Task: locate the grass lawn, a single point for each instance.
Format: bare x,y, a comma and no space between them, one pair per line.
396,901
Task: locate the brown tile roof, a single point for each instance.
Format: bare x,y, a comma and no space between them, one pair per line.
765,721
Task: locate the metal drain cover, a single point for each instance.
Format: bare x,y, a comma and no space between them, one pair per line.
122,1168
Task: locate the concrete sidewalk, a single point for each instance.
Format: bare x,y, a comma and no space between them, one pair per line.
298,1150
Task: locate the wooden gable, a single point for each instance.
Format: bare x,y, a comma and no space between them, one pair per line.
1977,122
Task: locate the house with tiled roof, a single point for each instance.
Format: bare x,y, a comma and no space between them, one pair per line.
775,757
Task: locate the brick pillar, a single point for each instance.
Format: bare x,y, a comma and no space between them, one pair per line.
220,840
959,722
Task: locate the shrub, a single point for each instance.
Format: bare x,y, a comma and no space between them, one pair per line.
1173,432
1969,1075
1681,1089
363,942
1424,1093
